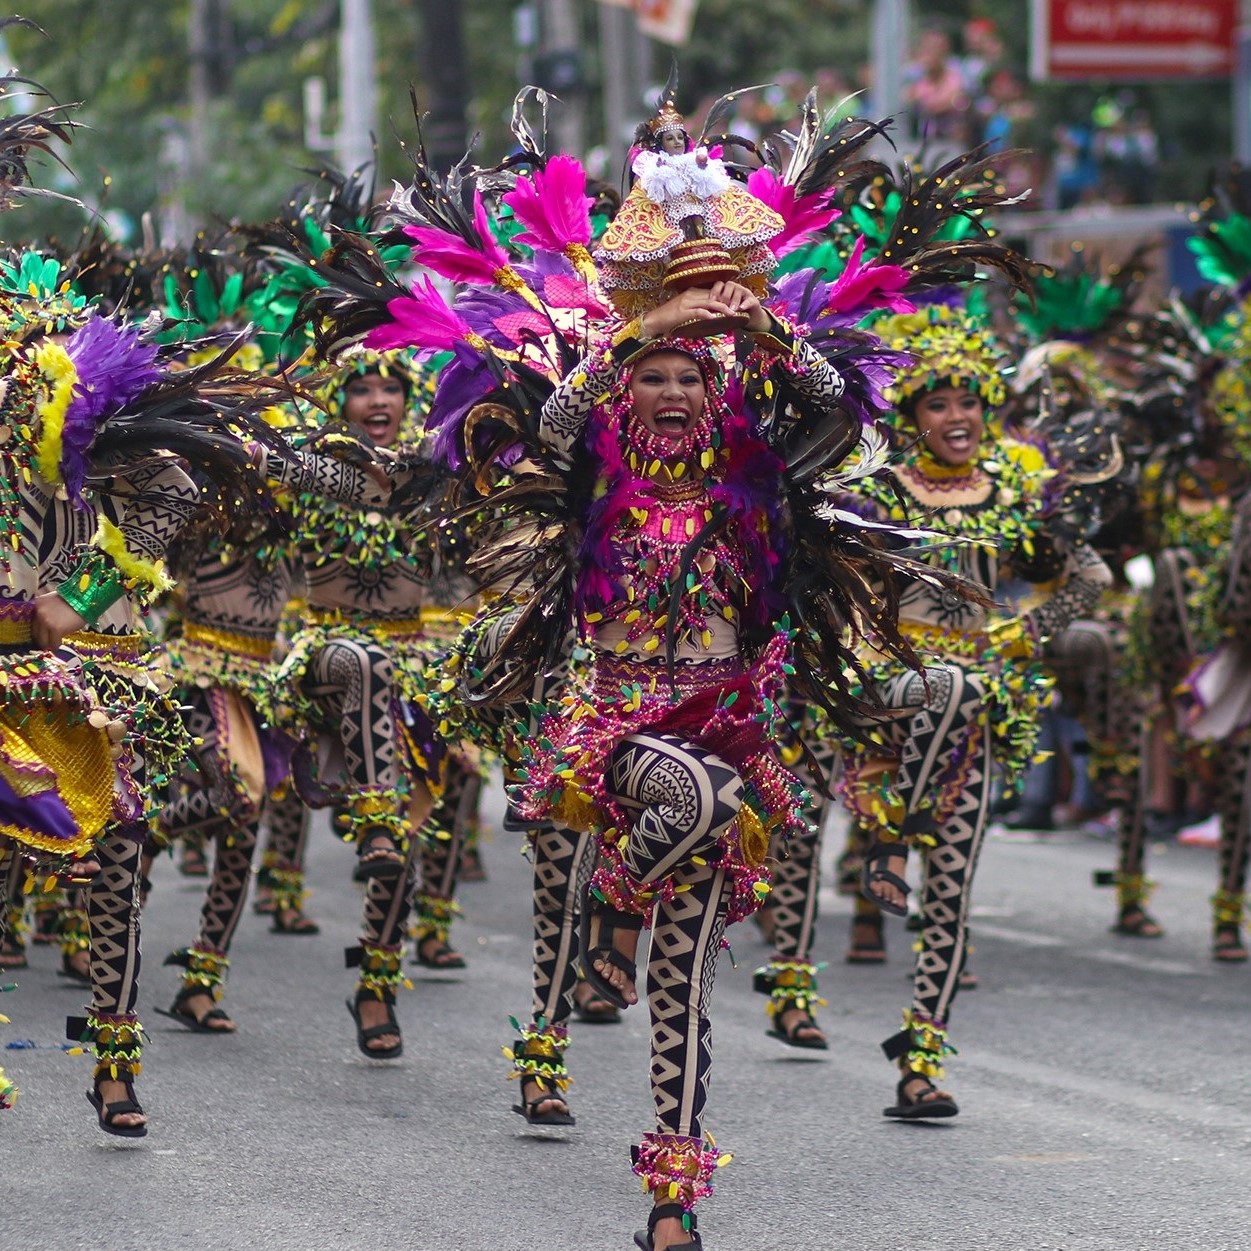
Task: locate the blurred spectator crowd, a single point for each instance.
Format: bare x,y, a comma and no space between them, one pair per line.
962,93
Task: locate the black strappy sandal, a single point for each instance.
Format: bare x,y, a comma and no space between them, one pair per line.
378,858
106,1112
662,1211
528,1108
292,921
873,872
1134,921
364,1036
610,920
71,971
590,1008
871,952
177,1011
791,1036
914,1109
432,953
1227,944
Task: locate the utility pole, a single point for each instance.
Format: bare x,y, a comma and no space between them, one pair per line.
443,49
625,55
890,54
1242,84
199,93
560,60
354,144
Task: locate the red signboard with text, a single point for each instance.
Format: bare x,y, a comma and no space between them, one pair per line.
1133,40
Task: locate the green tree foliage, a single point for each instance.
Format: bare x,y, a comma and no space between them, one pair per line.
127,61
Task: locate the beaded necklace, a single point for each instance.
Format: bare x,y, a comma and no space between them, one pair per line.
653,537
659,505
996,500
361,538
18,450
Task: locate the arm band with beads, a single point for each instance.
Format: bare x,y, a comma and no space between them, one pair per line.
94,586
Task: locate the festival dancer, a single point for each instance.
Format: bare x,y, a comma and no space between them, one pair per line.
350,689
443,838
1069,371
927,781
280,889
108,407
1216,699
651,444
1215,696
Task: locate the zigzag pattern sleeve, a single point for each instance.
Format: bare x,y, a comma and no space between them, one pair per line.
1086,577
155,502
309,472
565,412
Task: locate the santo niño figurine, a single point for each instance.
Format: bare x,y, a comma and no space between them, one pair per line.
685,223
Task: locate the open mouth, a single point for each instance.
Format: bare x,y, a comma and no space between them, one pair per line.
959,439
377,425
672,423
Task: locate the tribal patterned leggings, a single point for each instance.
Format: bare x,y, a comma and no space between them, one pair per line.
560,856
443,844
681,799
792,902
221,810
353,682
1233,804
930,743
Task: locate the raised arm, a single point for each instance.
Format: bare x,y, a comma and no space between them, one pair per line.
1085,578
138,514
311,471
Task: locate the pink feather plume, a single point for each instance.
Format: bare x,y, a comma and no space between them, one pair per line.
868,286
475,262
553,206
422,320
803,215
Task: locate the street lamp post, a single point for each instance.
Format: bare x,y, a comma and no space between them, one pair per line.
889,53
354,145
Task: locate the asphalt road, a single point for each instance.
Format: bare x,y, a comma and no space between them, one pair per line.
1103,1083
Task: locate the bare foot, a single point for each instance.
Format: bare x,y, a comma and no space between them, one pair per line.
374,1012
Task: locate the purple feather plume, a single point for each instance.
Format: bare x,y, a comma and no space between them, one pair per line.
113,368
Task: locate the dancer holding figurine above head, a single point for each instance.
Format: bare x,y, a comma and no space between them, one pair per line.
664,482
